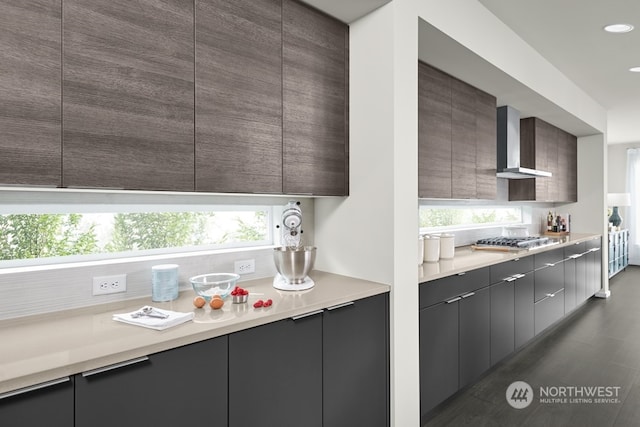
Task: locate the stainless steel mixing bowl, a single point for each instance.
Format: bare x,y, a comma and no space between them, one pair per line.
294,264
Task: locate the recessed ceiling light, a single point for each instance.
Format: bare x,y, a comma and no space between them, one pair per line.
635,69
618,28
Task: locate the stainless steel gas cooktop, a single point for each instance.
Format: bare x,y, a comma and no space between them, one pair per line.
515,243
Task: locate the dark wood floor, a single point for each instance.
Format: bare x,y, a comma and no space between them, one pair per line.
598,345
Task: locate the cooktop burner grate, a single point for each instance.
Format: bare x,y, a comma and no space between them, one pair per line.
515,242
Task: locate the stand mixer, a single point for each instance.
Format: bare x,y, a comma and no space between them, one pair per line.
293,261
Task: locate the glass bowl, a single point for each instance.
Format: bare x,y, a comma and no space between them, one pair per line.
208,285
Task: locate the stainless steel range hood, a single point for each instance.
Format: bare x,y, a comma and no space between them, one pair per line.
509,147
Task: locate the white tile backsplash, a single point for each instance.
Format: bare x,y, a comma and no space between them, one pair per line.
44,291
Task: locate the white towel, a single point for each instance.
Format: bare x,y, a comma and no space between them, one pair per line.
174,318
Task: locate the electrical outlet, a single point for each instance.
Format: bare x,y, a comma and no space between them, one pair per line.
245,266
103,285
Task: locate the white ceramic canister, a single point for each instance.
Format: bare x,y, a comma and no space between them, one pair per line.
447,246
431,248
420,250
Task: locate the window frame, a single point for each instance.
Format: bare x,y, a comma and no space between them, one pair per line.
64,201
525,217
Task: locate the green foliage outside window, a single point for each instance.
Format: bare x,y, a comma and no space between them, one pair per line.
139,231
247,231
48,235
28,236
438,216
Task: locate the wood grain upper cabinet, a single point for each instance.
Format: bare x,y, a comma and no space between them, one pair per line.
486,137
30,89
548,148
456,138
128,90
434,132
238,96
567,166
463,140
315,97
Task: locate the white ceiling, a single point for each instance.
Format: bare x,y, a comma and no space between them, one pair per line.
568,33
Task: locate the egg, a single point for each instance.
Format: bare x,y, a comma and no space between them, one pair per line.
216,303
199,301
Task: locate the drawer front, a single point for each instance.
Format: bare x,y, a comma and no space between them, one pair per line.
548,311
501,271
593,243
443,289
548,280
575,249
548,257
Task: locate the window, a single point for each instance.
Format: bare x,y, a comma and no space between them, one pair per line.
40,238
436,218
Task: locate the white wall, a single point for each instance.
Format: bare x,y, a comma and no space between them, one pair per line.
617,166
589,215
372,233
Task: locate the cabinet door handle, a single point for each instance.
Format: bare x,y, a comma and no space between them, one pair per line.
470,294
462,274
548,264
336,307
519,276
34,387
594,250
510,279
302,316
575,256
114,366
551,295
452,300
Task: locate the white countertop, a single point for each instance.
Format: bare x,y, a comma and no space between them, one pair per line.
46,347
466,258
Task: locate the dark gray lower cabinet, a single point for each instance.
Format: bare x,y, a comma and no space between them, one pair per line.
163,390
466,326
524,313
329,368
549,310
49,404
355,340
581,279
549,295
438,354
574,276
549,290
455,328
549,273
275,374
502,319
475,321
593,262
